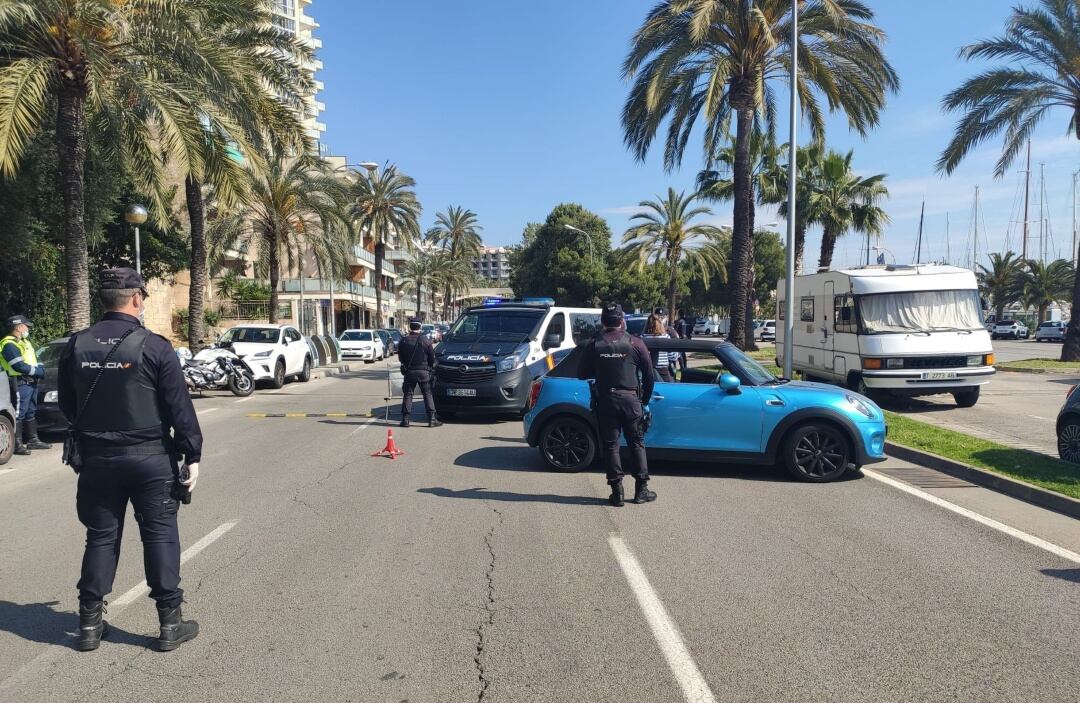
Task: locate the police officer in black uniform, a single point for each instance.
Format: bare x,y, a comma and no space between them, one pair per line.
416,355
123,392
623,369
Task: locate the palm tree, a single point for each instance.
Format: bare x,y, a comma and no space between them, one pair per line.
1042,284
775,191
458,231
428,267
666,234
842,201
295,208
384,208
703,60
999,282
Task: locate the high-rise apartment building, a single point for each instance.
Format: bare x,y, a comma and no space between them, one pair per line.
290,15
493,263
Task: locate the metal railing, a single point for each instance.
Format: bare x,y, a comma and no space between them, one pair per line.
252,310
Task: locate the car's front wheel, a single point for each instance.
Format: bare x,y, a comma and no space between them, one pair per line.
968,398
7,439
816,452
567,444
1069,440
278,379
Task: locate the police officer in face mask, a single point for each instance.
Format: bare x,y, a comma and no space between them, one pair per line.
417,357
19,362
617,361
123,392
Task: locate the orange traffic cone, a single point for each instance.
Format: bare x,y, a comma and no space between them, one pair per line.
390,449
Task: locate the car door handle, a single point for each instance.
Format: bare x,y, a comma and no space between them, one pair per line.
775,403
657,396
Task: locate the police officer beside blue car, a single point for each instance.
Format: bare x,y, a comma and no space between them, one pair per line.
19,361
132,420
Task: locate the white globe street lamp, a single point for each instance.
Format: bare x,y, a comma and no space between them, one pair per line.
136,215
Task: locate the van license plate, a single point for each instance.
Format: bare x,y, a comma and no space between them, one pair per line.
462,392
938,375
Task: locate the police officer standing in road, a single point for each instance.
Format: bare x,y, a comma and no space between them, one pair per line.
19,361
417,358
132,420
622,367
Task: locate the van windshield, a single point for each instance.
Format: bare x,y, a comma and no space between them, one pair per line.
921,311
496,324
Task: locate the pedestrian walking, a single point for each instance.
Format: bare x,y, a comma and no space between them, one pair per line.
416,354
684,327
623,373
662,360
20,364
134,438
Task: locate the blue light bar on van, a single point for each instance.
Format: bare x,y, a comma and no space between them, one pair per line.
539,301
491,302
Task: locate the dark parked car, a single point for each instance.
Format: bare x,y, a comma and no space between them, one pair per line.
1068,427
388,341
49,417
395,337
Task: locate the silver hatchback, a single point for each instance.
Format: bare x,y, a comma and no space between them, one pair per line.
1051,331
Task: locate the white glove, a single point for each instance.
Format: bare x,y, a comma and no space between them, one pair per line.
192,471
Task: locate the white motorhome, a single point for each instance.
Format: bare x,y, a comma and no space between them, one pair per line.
902,330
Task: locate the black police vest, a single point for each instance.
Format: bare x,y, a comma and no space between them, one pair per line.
125,397
614,364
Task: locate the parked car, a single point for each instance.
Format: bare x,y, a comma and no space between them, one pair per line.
635,324
768,331
365,345
394,338
1068,427
1011,329
7,427
732,410
272,352
1051,331
389,348
705,326
431,332
49,417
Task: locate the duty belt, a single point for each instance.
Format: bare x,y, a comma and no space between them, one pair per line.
154,447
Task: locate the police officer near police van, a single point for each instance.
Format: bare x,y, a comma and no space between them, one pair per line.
19,361
416,354
134,437
622,367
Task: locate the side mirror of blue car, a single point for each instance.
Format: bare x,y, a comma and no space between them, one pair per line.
729,383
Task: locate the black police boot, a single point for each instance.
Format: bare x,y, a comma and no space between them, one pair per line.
616,497
92,626
34,442
433,420
404,421
20,448
174,629
642,494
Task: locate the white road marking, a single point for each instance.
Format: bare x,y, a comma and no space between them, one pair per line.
366,424
6,471
206,411
142,589
244,400
663,628
972,515
1038,417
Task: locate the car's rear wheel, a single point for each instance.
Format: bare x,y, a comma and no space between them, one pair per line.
567,444
1069,440
816,452
7,439
968,398
278,379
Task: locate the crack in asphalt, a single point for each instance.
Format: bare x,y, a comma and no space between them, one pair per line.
489,609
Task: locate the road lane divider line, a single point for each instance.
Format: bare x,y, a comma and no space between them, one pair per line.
244,400
299,416
5,471
363,426
1039,542
663,627
206,411
142,589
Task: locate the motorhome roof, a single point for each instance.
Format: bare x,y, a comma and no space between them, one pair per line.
887,279
903,270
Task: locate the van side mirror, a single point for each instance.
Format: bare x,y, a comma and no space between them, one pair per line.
551,341
729,383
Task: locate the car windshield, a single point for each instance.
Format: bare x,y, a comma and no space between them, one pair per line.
251,335
356,336
395,335
428,328
750,368
921,311
1050,324
496,324
636,325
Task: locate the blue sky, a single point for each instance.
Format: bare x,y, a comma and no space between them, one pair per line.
511,108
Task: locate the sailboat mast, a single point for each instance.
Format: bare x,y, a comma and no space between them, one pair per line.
948,254
918,246
975,235
1027,189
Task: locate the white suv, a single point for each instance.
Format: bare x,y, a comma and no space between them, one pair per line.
705,326
274,352
1012,329
1051,331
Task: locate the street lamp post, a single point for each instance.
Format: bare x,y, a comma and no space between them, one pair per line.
789,279
588,238
136,215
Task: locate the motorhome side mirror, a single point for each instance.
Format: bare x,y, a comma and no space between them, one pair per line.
551,341
729,383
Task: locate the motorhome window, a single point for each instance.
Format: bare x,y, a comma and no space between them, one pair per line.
557,327
806,310
920,311
844,319
497,324
584,326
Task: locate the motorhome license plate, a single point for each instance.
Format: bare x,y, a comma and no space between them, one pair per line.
462,392
938,375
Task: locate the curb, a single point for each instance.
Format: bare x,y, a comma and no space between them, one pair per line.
1014,369
1003,484
329,371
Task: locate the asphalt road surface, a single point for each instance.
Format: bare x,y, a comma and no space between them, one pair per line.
463,571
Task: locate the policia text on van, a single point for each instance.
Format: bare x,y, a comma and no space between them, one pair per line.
491,355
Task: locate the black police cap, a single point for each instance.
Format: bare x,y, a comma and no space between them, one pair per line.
611,315
659,311
121,279
415,322
16,320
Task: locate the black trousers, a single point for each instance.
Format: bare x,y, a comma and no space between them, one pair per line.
620,411
106,484
414,378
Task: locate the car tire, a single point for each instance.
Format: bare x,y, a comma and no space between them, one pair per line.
567,444
1068,438
305,375
7,439
278,379
968,398
816,452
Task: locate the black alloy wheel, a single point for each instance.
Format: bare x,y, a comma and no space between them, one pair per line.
1069,441
279,374
817,453
568,444
305,374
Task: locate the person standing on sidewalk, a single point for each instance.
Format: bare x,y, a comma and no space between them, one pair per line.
19,361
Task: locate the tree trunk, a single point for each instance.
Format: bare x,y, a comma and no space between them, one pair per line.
197,293
71,149
999,311
800,246
380,253
673,282
1070,350
1042,312
828,245
419,286
741,245
748,325
274,264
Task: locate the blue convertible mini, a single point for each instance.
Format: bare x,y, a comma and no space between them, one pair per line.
725,408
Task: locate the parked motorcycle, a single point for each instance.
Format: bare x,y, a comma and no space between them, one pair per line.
216,367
